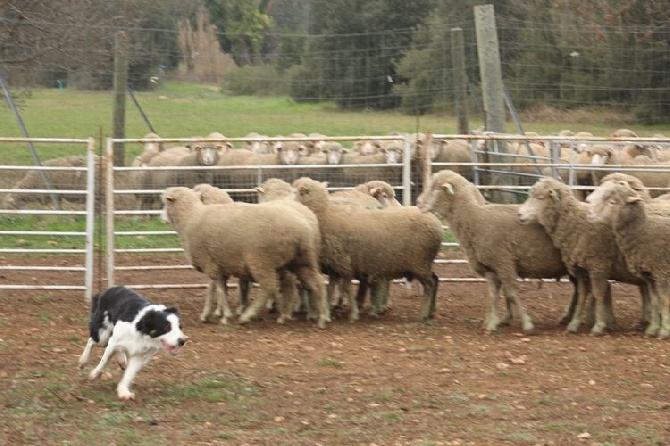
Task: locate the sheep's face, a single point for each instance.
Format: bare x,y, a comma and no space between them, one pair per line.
607,201
393,155
438,196
538,199
208,153
289,155
602,156
366,147
334,154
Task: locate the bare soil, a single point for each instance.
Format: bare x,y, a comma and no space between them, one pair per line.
386,380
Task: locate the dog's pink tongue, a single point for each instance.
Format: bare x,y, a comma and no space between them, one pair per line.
169,348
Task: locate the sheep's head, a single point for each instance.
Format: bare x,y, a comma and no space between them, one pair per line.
334,153
545,194
173,198
310,192
602,155
208,152
273,189
633,182
289,154
440,192
607,201
212,195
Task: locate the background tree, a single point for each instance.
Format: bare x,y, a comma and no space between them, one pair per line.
352,50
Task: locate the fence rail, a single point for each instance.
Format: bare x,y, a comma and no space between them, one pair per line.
126,264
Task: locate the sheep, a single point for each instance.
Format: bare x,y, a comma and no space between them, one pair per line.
253,242
248,178
455,151
498,247
151,149
605,155
366,147
589,250
643,238
373,244
258,144
66,179
202,153
277,192
213,195
391,172
370,194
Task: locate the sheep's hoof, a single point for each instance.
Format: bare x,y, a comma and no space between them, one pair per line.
322,323
664,333
573,327
651,331
596,332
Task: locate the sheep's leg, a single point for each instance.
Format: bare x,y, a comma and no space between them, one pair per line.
599,288
491,319
288,297
570,311
510,291
333,281
654,319
209,299
646,306
583,286
355,302
379,293
268,279
663,287
244,285
220,288
429,284
509,313
312,281
610,320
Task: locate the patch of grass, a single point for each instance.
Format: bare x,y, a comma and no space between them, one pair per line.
330,362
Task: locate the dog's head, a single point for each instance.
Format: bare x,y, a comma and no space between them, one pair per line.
165,326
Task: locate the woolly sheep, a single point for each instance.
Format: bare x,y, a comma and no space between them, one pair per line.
253,242
66,179
375,244
497,246
277,192
203,154
644,239
369,194
589,250
605,155
213,195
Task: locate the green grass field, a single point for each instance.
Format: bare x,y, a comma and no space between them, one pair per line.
184,110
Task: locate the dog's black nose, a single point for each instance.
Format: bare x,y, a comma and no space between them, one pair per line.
181,341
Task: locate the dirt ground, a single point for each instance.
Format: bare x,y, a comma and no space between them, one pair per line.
385,380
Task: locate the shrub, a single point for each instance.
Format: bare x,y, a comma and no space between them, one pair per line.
260,80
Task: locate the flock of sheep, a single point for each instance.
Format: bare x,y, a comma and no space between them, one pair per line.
295,234
300,232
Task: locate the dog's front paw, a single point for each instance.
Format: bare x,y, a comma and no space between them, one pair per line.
125,394
82,362
95,374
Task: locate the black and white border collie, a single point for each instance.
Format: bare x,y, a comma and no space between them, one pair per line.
132,327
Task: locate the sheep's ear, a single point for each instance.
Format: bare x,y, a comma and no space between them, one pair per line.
633,199
170,198
260,190
449,188
554,194
324,183
198,195
376,192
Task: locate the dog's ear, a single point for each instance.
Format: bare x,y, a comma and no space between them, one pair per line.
172,310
